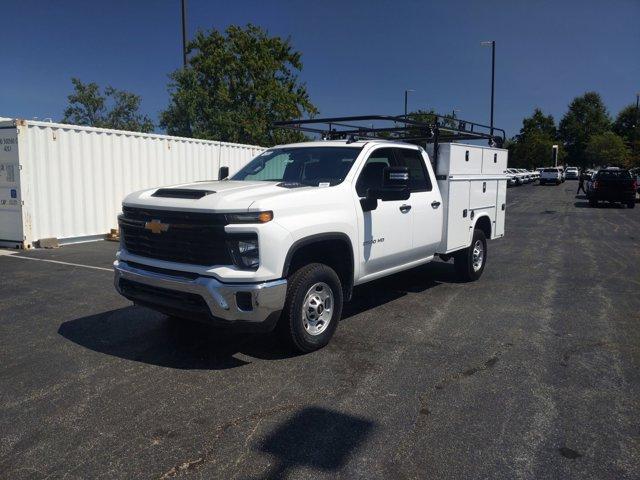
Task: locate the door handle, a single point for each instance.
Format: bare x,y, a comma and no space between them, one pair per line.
435,204
405,208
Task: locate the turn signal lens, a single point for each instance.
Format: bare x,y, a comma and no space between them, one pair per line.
265,217
250,217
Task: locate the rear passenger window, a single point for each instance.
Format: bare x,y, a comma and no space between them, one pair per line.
418,177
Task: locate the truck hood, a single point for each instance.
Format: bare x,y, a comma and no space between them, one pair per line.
221,196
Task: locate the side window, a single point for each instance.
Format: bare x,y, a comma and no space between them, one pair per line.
372,174
419,180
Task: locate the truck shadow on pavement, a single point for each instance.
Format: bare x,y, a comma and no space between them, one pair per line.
313,438
142,335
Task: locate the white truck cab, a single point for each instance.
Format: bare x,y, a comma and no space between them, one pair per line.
282,242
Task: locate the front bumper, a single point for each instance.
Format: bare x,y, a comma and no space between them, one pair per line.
253,305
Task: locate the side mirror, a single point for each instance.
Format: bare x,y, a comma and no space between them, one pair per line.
370,202
223,173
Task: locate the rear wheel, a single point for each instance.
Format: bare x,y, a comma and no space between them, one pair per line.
312,308
469,263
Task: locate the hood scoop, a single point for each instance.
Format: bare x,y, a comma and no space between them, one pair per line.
181,193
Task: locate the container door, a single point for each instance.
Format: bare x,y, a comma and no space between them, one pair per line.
501,208
465,160
458,215
483,193
10,195
494,160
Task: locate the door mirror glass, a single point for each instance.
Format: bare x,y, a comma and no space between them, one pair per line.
223,173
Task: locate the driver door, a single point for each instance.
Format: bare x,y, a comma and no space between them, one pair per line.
385,234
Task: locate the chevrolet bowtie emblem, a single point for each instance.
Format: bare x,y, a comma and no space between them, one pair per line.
156,226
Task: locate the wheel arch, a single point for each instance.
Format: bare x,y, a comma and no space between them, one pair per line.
483,222
328,248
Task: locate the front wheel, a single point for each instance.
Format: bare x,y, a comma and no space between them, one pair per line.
469,263
312,308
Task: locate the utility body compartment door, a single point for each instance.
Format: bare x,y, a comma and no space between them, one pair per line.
501,206
458,215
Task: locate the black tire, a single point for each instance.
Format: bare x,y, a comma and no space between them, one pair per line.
464,259
631,204
291,326
542,182
593,202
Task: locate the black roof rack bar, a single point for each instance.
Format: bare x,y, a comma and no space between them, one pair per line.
404,128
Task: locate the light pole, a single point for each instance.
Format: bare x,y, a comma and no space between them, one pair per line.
492,43
406,96
184,33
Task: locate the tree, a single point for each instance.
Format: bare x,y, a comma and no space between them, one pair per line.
235,85
627,125
587,116
532,147
534,150
115,109
539,123
606,149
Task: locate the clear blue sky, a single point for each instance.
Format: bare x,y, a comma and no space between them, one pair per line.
358,56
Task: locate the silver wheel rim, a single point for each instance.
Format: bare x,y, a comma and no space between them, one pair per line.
478,255
317,308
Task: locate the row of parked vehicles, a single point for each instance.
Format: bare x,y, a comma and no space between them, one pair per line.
521,176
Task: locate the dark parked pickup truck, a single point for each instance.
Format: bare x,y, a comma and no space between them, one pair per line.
612,185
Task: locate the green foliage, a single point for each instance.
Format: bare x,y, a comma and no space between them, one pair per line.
587,116
236,84
627,125
532,148
114,108
539,123
606,149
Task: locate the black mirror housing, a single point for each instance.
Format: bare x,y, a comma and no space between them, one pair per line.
223,173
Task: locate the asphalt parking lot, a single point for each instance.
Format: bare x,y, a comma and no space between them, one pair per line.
531,372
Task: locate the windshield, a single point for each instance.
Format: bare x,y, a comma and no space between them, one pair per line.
312,166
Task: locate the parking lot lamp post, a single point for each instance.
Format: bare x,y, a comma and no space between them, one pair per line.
492,44
406,96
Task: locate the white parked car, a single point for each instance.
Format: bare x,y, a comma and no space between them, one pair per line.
282,243
572,173
551,175
519,177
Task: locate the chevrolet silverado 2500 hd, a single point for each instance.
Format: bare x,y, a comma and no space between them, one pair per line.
282,242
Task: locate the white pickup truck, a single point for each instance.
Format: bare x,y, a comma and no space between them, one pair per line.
282,243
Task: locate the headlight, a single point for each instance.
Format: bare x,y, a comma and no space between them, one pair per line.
250,217
245,253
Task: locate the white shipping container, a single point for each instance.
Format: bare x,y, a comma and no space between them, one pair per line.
67,181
